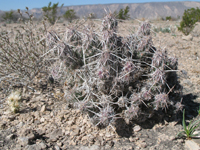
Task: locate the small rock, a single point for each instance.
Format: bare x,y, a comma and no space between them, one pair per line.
31,136
107,146
94,147
75,132
84,148
72,143
55,134
109,135
141,144
40,132
166,123
97,142
65,146
172,124
42,145
13,130
67,132
197,133
23,141
131,139
91,139
136,128
37,93
11,118
36,114
38,146
187,82
57,147
43,108
191,145
83,129
71,122
42,120
59,144
84,139
180,140
10,137
111,143
187,38
3,125
50,102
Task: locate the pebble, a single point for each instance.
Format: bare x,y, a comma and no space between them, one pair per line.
55,134
187,38
191,145
23,141
141,144
136,128
43,108
75,132
57,147
20,125
10,137
42,120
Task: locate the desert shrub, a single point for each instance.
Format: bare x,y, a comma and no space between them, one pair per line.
9,16
166,29
51,12
21,53
70,15
168,18
117,77
123,14
163,30
189,18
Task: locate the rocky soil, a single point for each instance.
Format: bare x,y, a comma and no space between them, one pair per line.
46,121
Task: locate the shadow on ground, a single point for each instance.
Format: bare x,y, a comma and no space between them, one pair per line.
126,130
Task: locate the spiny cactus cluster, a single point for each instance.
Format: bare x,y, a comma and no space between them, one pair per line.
116,77
13,101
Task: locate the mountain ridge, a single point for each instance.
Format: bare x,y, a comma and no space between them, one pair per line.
151,10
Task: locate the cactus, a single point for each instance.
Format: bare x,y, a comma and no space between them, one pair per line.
120,77
13,101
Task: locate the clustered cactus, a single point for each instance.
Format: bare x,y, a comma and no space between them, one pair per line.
110,76
13,101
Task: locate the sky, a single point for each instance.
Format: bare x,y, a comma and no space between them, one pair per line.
7,5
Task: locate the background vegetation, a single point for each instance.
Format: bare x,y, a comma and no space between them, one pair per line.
189,18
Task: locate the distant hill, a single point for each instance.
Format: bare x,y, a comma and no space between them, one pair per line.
151,10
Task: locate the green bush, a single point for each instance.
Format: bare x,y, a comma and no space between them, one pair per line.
168,18
123,14
167,29
190,17
10,16
70,15
51,12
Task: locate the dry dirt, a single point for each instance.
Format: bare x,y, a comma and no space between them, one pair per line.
45,121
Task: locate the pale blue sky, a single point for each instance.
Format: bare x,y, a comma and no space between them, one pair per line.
7,5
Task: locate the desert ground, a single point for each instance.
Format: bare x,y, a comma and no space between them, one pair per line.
46,121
